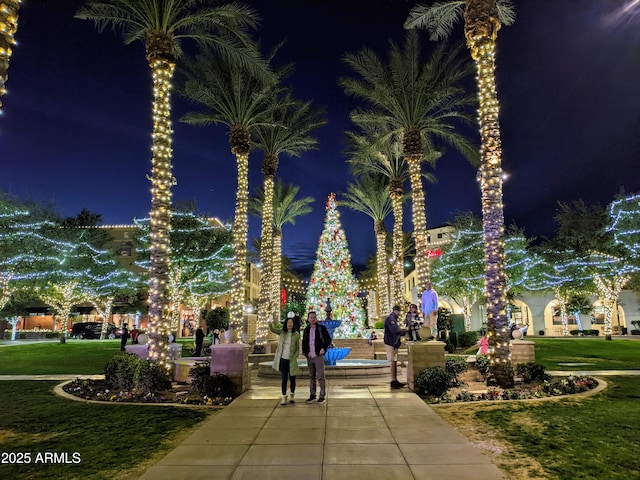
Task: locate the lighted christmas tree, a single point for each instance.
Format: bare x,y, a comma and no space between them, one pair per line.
333,278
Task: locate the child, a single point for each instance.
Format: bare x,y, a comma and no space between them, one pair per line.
413,323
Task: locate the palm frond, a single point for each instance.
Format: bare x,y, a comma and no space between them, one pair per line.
439,18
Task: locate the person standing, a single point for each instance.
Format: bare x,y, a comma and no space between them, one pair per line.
134,335
199,341
413,323
392,340
124,337
315,341
429,306
286,357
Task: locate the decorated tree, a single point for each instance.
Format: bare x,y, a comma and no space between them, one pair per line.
333,277
201,256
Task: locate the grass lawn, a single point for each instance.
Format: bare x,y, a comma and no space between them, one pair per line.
591,438
114,442
602,354
83,357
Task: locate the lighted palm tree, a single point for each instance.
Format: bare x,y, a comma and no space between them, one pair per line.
288,132
367,157
482,20
162,25
418,103
9,26
241,100
370,195
286,208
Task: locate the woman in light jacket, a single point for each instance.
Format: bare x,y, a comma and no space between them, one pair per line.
286,357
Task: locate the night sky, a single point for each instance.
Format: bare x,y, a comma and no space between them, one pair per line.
76,123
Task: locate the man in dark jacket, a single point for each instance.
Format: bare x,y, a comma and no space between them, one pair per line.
315,341
199,341
392,338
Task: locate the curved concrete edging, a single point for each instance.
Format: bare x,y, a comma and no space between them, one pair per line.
58,390
602,384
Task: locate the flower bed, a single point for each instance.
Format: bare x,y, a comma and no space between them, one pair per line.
178,394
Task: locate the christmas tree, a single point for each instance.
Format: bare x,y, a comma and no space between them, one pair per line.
333,278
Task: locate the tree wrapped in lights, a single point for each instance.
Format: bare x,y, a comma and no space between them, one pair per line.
370,195
482,21
415,102
286,207
201,256
8,27
161,25
624,223
368,157
333,278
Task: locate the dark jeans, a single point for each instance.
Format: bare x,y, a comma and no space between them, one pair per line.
284,372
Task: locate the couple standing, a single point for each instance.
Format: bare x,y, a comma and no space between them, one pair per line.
315,341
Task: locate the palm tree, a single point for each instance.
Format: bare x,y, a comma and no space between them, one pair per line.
288,132
370,195
482,20
9,21
240,100
416,102
368,158
162,25
286,208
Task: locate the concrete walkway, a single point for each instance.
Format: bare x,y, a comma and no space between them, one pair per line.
361,432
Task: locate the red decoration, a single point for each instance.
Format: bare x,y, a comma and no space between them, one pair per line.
434,253
283,296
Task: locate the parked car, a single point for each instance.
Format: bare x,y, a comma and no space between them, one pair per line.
92,330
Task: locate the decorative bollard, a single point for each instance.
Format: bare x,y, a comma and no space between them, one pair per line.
232,359
423,355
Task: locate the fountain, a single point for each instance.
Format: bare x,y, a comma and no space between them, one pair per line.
333,354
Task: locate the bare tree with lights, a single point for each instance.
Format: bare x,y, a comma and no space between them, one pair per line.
370,195
287,133
162,25
418,102
482,20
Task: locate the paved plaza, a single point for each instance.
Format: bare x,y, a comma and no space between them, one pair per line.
363,431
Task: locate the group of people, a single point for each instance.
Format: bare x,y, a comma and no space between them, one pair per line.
315,342
393,332
126,334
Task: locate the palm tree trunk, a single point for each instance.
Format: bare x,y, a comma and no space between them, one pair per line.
160,224
9,21
397,272
276,273
381,268
481,32
419,220
265,308
240,231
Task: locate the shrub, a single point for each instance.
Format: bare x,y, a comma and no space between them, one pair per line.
151,378
450,347
379,325
120,370
218,387
635,332
434,381
218,318
467,339
482,364
531,372
455,366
